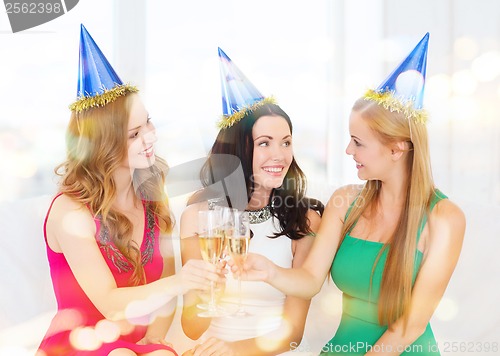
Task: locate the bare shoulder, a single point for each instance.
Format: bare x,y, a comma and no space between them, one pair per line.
66,210
67,220
447,219
447,211
189,219
67,203
342,198
192,210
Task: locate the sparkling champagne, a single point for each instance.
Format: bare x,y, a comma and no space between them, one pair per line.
211,248
238,248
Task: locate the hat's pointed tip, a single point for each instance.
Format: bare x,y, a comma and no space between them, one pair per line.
425,40
84,35
222,54
83,29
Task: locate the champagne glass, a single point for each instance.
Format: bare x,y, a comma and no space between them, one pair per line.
237,236
210,234
227,223
225,216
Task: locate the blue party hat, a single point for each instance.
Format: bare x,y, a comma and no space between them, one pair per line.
403,89
239,95
98,83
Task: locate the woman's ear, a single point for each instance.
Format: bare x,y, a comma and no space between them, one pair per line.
397,150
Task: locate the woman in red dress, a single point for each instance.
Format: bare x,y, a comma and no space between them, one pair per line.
115,291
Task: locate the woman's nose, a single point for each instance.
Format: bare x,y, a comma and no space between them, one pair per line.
150,136
277,154
348,149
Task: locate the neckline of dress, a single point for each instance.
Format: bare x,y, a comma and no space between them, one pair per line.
380,244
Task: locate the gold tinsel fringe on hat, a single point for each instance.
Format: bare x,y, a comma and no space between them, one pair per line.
228,121
86,102
389,101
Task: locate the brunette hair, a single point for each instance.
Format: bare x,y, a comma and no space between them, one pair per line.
288,203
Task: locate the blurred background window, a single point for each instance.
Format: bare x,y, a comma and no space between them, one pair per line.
315,57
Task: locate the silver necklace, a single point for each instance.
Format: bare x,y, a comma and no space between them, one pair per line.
259,216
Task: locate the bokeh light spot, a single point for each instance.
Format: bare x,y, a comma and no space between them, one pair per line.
409,83
465,48
107,331
84,338
486,67
464,83
447,309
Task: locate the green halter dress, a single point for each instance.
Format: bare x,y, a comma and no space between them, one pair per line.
359,328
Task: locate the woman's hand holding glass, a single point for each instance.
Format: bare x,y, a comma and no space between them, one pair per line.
255,268
199,275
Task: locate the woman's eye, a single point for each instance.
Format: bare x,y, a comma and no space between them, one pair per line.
263,144
135,134
287,143
356,143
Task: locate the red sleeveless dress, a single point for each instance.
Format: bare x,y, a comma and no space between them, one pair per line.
73,329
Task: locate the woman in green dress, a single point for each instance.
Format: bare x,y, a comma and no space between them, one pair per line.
390,245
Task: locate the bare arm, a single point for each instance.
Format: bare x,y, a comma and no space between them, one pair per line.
446,233
71,230
305,282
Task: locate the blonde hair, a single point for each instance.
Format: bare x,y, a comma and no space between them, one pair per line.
96,143
392,127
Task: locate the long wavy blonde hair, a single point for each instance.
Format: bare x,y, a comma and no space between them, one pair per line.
392,127
96,144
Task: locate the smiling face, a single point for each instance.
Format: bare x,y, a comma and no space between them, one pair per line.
141,136
272,152
373,158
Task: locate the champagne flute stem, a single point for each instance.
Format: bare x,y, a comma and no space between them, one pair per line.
240,302
212,306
